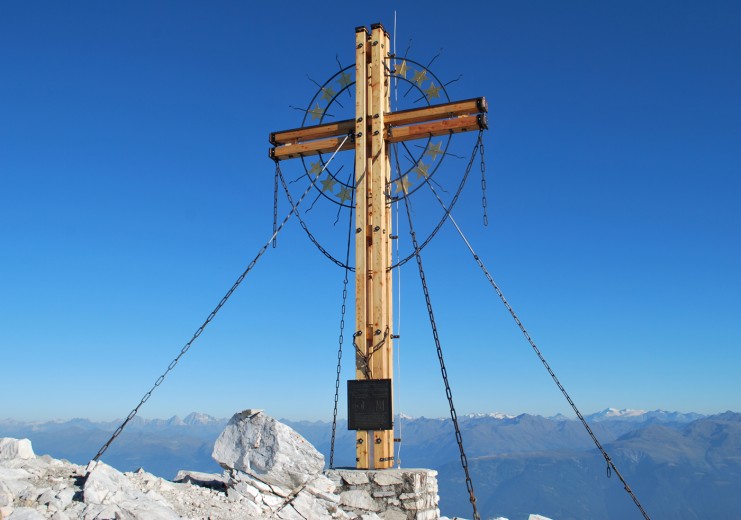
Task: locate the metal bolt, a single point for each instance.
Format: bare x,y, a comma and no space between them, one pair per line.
360,441
358,230
360,120
378,440
359,134
377,228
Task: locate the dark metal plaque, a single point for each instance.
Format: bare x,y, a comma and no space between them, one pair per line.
369,405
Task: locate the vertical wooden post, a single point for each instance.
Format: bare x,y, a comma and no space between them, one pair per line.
382,361
373,229
373,334
362,453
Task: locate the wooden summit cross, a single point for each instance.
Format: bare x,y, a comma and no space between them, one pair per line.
371,132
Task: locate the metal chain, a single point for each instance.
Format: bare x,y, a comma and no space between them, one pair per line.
174,362
447,211
360,356
437,228
308,233
197,333
380,344
366,358
443,370
341,341
608,460
275,206
483,178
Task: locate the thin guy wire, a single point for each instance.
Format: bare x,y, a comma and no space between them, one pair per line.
174,362
397,390
445,216
443,370
303,224
608,460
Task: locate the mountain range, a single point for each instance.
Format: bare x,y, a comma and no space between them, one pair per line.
680,465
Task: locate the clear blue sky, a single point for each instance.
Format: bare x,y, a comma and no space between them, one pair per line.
136,186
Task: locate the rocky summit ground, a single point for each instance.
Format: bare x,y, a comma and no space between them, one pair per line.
270,472
34,487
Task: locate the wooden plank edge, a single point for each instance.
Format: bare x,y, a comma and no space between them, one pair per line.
437,128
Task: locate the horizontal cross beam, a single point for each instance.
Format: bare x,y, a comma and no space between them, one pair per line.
405,125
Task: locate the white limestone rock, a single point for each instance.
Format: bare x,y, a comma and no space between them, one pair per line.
25,513
6,495
108,487
198,478
358,499
309,507
323,488
369,516
387,478
236,477
16,449
268,450
354,477
393,513
289,513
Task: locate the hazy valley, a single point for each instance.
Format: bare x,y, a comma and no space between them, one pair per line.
681,466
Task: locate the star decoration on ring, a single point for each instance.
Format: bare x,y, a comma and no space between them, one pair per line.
414,85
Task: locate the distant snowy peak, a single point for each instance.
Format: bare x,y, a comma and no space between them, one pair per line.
614,413
199,418
490,415
627,414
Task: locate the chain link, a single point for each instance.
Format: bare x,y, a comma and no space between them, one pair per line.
345,265
313,239
187,346
608,460
364,358
447,211
443,370
275,207
361,359
483,178
174,362
341,341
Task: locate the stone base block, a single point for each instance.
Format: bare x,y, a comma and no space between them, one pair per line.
391,494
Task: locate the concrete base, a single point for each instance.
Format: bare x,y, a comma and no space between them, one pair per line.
392,494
